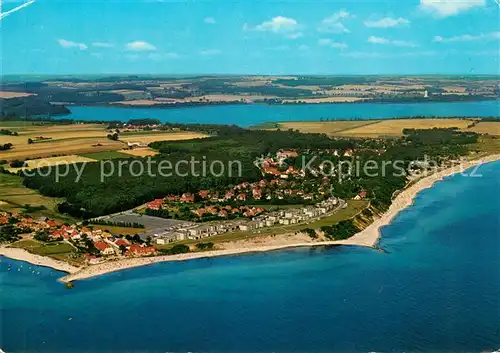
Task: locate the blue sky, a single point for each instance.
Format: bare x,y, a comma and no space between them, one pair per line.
250,37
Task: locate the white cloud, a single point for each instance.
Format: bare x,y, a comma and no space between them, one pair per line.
295,35
209,52
209,20
387,22
102,45
334,23
377,40
331,43
278,24
324,41
445,8
69,44
468,37
140,45
385,41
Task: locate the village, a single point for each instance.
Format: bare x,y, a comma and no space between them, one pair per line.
243,207
93,243
283,197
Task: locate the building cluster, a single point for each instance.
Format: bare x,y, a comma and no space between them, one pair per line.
75,235
263,190
106,243
27,224
284,217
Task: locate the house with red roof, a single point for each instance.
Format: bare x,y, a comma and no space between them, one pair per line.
204,194
57,234
51,223
123,242
286,154
155,204
187,197
242,196
257,194
137,250
104,248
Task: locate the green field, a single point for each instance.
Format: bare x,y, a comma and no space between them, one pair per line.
99,156
59,251
44,249
14,197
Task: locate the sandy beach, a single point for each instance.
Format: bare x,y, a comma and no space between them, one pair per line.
368,237
23,255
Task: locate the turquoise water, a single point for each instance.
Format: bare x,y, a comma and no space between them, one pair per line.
438,289
247,115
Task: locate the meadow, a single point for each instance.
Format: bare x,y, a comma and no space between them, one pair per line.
389,128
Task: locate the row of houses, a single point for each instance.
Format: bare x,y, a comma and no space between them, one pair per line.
294,215
285,217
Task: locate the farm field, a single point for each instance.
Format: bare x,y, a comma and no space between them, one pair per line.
81,139
14,197
140,152
61,147
51,161
146,138
326,127
98,156
389,128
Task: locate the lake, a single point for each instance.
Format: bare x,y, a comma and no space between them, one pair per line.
436,289
248,115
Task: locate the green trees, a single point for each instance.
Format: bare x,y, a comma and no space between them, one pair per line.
90,197
8,233
205,246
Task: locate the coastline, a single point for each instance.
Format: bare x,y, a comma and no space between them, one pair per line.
45,261
368,237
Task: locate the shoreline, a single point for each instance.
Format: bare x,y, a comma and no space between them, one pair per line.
44,261
368,237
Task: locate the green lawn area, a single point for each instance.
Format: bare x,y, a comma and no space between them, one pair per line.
57,250
43,249
352,209
99,156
